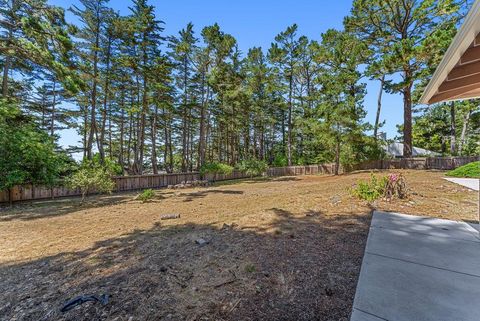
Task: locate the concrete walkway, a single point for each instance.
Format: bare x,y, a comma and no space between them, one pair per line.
419,268
471,183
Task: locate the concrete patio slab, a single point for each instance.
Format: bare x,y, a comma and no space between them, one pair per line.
425,225
418,268
425,250
396,290
471,183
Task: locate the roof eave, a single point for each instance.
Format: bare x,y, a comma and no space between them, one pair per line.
460,43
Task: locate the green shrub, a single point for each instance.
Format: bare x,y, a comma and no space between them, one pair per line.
471,170
146,195
370,190
27,154
216,168
91,177
253,167
390,186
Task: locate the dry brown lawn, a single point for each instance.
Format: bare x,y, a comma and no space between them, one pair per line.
279,249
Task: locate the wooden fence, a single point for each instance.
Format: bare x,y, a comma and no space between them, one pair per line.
439,163
129,183
122,183
301,170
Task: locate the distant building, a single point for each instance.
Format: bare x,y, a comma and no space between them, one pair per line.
382,136
396,150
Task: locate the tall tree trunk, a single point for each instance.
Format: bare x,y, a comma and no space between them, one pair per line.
290,107
136,129
85,131
54,103
122,129
143,120
184,140
170,148
453,150
153,132
110,143
101,141
131,138
337,156
463,136
203,112
191,142
167,141
93,126
407,121
184,118
379,107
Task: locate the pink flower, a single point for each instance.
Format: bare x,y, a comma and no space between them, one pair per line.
393,177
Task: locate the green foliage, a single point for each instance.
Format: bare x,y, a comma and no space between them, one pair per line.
432,129
389,186
280,160
253,167
216,168
150,101
342,108
146,195
92,177
35,35
27,154
108,164
471,170
407,37
370,190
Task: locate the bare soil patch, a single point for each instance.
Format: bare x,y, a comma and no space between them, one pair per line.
282,249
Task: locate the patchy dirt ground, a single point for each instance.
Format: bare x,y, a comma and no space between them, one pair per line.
282,249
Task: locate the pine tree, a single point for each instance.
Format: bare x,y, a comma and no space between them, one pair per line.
406,36
284,54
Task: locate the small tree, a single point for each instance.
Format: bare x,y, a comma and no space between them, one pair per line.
27,154
215,169
92,176
253,167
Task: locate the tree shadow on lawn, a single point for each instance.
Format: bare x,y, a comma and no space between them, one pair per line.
203,193
43,208
296,268
256,180
31,210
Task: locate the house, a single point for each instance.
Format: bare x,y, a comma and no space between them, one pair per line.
395,149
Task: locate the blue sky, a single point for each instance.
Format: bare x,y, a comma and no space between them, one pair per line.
255,23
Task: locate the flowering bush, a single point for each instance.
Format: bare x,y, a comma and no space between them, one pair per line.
395,186
389,186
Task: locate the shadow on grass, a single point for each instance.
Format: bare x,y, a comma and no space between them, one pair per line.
189,197
296,268
256,180
37,209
